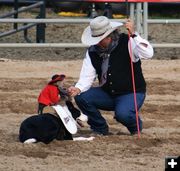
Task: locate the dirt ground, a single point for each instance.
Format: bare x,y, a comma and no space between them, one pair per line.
23,73
21,82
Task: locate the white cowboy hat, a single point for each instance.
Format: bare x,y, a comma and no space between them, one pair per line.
99,28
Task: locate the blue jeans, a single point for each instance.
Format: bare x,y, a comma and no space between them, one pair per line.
95,98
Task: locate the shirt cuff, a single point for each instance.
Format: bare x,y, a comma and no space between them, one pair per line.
79,87
138,39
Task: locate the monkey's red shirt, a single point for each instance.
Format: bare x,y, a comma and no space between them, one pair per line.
49,95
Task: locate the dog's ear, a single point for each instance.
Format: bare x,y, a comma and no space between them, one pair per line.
74,111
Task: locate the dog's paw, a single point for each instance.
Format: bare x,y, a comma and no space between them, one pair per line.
30,141
83,117
79,123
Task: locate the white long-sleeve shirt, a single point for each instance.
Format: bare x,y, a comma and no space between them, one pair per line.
141,49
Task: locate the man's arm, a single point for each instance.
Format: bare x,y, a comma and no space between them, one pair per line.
140,47
87,76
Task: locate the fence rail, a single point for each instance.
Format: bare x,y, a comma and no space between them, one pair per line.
22,9
71,45
17,30
40,27
138,12
77,21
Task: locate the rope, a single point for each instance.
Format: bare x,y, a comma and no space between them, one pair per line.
134,85
132,73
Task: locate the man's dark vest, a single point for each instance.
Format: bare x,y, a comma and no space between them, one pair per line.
119,77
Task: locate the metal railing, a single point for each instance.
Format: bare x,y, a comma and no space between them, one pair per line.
40,27
145,21
70,45
74,21
80,21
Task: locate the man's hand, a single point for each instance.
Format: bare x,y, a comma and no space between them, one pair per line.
130,26
73,91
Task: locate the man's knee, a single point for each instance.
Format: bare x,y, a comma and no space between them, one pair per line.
122,116
128,119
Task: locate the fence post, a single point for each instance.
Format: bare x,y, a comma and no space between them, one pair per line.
139,18
16,6
132,11
145,18
40,29
26,35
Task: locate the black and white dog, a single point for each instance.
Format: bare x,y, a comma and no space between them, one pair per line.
46,127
